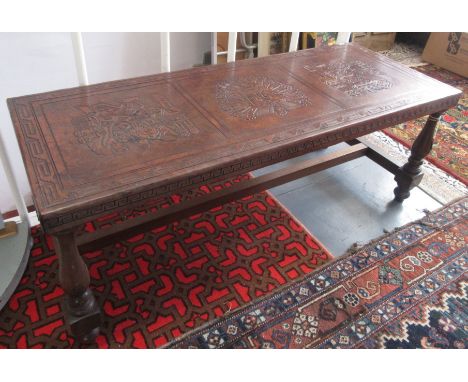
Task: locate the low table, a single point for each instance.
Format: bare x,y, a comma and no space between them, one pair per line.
97,149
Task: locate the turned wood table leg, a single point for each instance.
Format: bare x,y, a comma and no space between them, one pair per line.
410,175
81,310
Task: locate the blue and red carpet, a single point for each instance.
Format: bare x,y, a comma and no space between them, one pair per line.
408,289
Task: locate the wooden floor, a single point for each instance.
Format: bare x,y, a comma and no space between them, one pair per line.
349,203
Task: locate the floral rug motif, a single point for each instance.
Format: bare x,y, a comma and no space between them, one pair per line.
450,150
407,289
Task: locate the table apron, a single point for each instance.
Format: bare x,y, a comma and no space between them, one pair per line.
131,227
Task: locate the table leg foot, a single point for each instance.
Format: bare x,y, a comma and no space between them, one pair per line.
83,317
410,175
405,182
81,309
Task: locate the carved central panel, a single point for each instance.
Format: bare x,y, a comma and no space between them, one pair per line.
354,78
255,96
111,128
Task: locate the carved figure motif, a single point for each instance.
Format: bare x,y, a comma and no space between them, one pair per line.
255,96
110,128
354,78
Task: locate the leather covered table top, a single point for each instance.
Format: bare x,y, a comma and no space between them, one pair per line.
92,149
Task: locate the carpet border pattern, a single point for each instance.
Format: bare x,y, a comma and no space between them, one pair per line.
257,315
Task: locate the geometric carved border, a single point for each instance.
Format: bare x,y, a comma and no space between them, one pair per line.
326,140
41,160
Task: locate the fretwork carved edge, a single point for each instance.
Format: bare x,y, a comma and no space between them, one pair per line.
50,183
68,219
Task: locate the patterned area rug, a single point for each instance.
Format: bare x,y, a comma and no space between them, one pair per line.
450,151
408,289
163,283
407,54
436,182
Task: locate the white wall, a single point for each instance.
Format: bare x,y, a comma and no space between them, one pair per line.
38,62
112,56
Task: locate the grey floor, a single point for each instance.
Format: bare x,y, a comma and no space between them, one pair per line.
350,203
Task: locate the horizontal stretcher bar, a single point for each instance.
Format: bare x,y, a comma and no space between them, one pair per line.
133,226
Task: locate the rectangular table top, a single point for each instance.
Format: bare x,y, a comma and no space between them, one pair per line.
92,149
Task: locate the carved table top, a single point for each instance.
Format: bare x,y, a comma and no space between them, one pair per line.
92,149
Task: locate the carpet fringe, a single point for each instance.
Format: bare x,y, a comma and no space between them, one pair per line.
357,246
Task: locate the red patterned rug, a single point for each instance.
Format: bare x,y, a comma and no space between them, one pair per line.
450,150
408,289
163,283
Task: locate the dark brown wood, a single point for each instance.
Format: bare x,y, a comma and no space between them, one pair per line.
80,305
95,149
410,175
129,228
377,155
